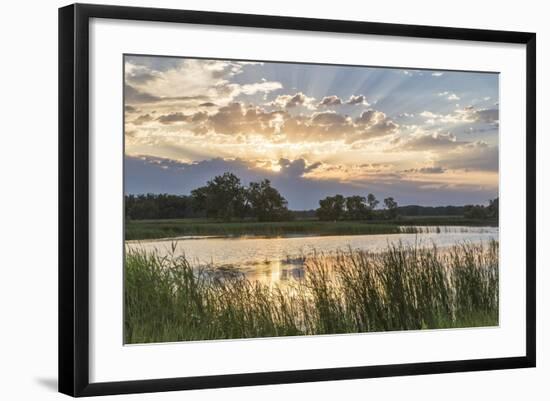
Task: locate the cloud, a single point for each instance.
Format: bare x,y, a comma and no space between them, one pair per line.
239,119
189,79
158,175
477,156
173,118
357,100
372,124
451,154
406,115
134,96
466,115
332,100
258,87
368,116
479,130
331,126
138,74
296,168
449,95
236,118
429,142
145,174
318,127
145,118
215,116
486,115
179,117
329,118
426,170
182,91
431,170
290,101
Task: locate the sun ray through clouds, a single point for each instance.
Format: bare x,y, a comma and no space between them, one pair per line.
324,128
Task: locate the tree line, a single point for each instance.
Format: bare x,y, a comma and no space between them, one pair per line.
225,198
355,207
222,198
482,212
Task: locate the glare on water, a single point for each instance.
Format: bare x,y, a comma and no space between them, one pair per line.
272,260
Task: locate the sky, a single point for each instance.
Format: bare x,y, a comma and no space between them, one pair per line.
424,137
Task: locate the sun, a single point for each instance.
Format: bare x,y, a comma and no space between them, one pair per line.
275,166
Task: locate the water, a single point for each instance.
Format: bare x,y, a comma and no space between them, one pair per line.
272,260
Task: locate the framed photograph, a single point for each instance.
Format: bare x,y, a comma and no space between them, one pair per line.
250,199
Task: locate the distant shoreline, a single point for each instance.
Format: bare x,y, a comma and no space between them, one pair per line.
190,228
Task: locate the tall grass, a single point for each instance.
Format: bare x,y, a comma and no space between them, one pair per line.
402,288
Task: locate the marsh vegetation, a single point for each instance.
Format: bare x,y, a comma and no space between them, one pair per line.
403,287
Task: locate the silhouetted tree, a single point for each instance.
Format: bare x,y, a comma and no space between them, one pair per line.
372,201
391,208
223,197
492,209
266,203
415,210
331,208
356,208
475,212
157,206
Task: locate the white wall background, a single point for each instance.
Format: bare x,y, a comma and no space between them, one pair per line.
28,200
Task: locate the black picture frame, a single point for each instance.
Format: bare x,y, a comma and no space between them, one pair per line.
74,200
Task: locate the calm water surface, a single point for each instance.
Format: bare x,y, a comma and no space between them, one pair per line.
272,260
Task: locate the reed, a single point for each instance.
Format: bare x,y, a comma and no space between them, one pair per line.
351,291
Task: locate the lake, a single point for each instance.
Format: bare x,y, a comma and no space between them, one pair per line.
272,260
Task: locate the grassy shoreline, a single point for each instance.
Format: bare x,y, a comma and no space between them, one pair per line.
403,288
157,229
